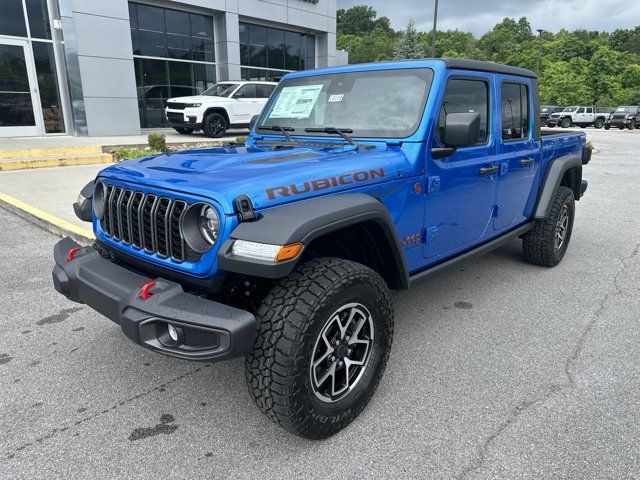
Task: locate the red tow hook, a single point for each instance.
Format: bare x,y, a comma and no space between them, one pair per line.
71,254
145,291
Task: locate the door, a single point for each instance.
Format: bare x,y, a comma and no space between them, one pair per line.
579,117
518,153
462,186
246,104
20,110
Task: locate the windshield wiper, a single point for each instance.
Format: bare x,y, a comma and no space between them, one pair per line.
283,130
343,132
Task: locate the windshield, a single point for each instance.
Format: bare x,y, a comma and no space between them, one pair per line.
221,90
381,103
570,109
627,109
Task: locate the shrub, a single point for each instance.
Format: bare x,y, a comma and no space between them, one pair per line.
157,142
127,153
241,140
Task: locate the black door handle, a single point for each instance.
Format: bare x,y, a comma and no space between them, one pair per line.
489,170
525,162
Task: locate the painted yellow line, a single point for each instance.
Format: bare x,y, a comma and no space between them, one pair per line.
29,163
46,220
41,152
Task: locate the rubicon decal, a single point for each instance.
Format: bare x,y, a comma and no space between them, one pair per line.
323,183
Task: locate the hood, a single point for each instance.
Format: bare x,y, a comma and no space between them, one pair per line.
196,98
266,176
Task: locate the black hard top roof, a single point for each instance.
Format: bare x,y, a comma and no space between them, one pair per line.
464,64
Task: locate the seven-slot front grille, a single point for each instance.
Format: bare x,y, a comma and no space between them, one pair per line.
148,222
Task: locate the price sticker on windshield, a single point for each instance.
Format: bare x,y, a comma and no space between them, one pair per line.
296,102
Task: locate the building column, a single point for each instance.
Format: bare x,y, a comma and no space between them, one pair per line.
325,50
227,34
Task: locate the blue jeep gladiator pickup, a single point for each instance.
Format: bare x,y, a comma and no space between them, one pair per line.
355,181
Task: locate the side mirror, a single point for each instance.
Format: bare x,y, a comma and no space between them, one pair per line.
462,129
253,121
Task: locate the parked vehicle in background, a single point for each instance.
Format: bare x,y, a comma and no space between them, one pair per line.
546,111
578,116
354,181
225,105
624,117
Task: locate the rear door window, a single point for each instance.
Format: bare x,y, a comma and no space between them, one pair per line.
515,111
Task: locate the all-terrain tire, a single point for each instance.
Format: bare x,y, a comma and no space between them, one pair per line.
599,123
541,245
565,122
292,320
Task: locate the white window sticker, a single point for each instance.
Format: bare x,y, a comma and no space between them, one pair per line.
296,102
336,98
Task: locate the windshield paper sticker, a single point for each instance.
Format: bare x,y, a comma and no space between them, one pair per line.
296,102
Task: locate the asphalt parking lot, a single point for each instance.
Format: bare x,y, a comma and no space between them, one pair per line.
499,369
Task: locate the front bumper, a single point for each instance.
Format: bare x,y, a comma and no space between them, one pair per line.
184,119
619,122
209,330
553,121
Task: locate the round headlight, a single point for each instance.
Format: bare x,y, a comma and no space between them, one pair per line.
200,226
209,224
99,200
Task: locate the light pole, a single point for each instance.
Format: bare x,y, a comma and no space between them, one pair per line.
435,26
540,32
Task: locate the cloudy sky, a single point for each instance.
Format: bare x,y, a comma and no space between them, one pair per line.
478,16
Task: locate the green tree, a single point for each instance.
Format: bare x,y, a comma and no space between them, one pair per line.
562,83
603,76
408,45
361,20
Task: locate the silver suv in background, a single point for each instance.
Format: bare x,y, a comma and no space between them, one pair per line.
579,116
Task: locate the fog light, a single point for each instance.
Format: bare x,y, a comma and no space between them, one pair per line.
173,333
169,335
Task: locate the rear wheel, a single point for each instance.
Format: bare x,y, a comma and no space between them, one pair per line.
547,242
599,123
565,123
607,127
323,342
215,125
184,131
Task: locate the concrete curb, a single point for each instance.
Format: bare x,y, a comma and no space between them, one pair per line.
46,221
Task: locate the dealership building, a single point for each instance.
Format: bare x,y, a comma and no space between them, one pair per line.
107,67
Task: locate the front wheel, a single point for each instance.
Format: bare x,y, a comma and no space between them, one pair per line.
323,342
214,126
184,131
547,242
607,127
632,126
565,123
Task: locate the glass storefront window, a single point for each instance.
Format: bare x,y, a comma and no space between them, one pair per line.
274,49
167,33
16,109
186,40
160,80
12,18
38,19
259,75
48,86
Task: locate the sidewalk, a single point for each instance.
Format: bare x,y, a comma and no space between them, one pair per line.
45,197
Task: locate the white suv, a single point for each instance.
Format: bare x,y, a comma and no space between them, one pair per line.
225,105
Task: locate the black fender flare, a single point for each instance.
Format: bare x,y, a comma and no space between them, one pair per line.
553,178
303,222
